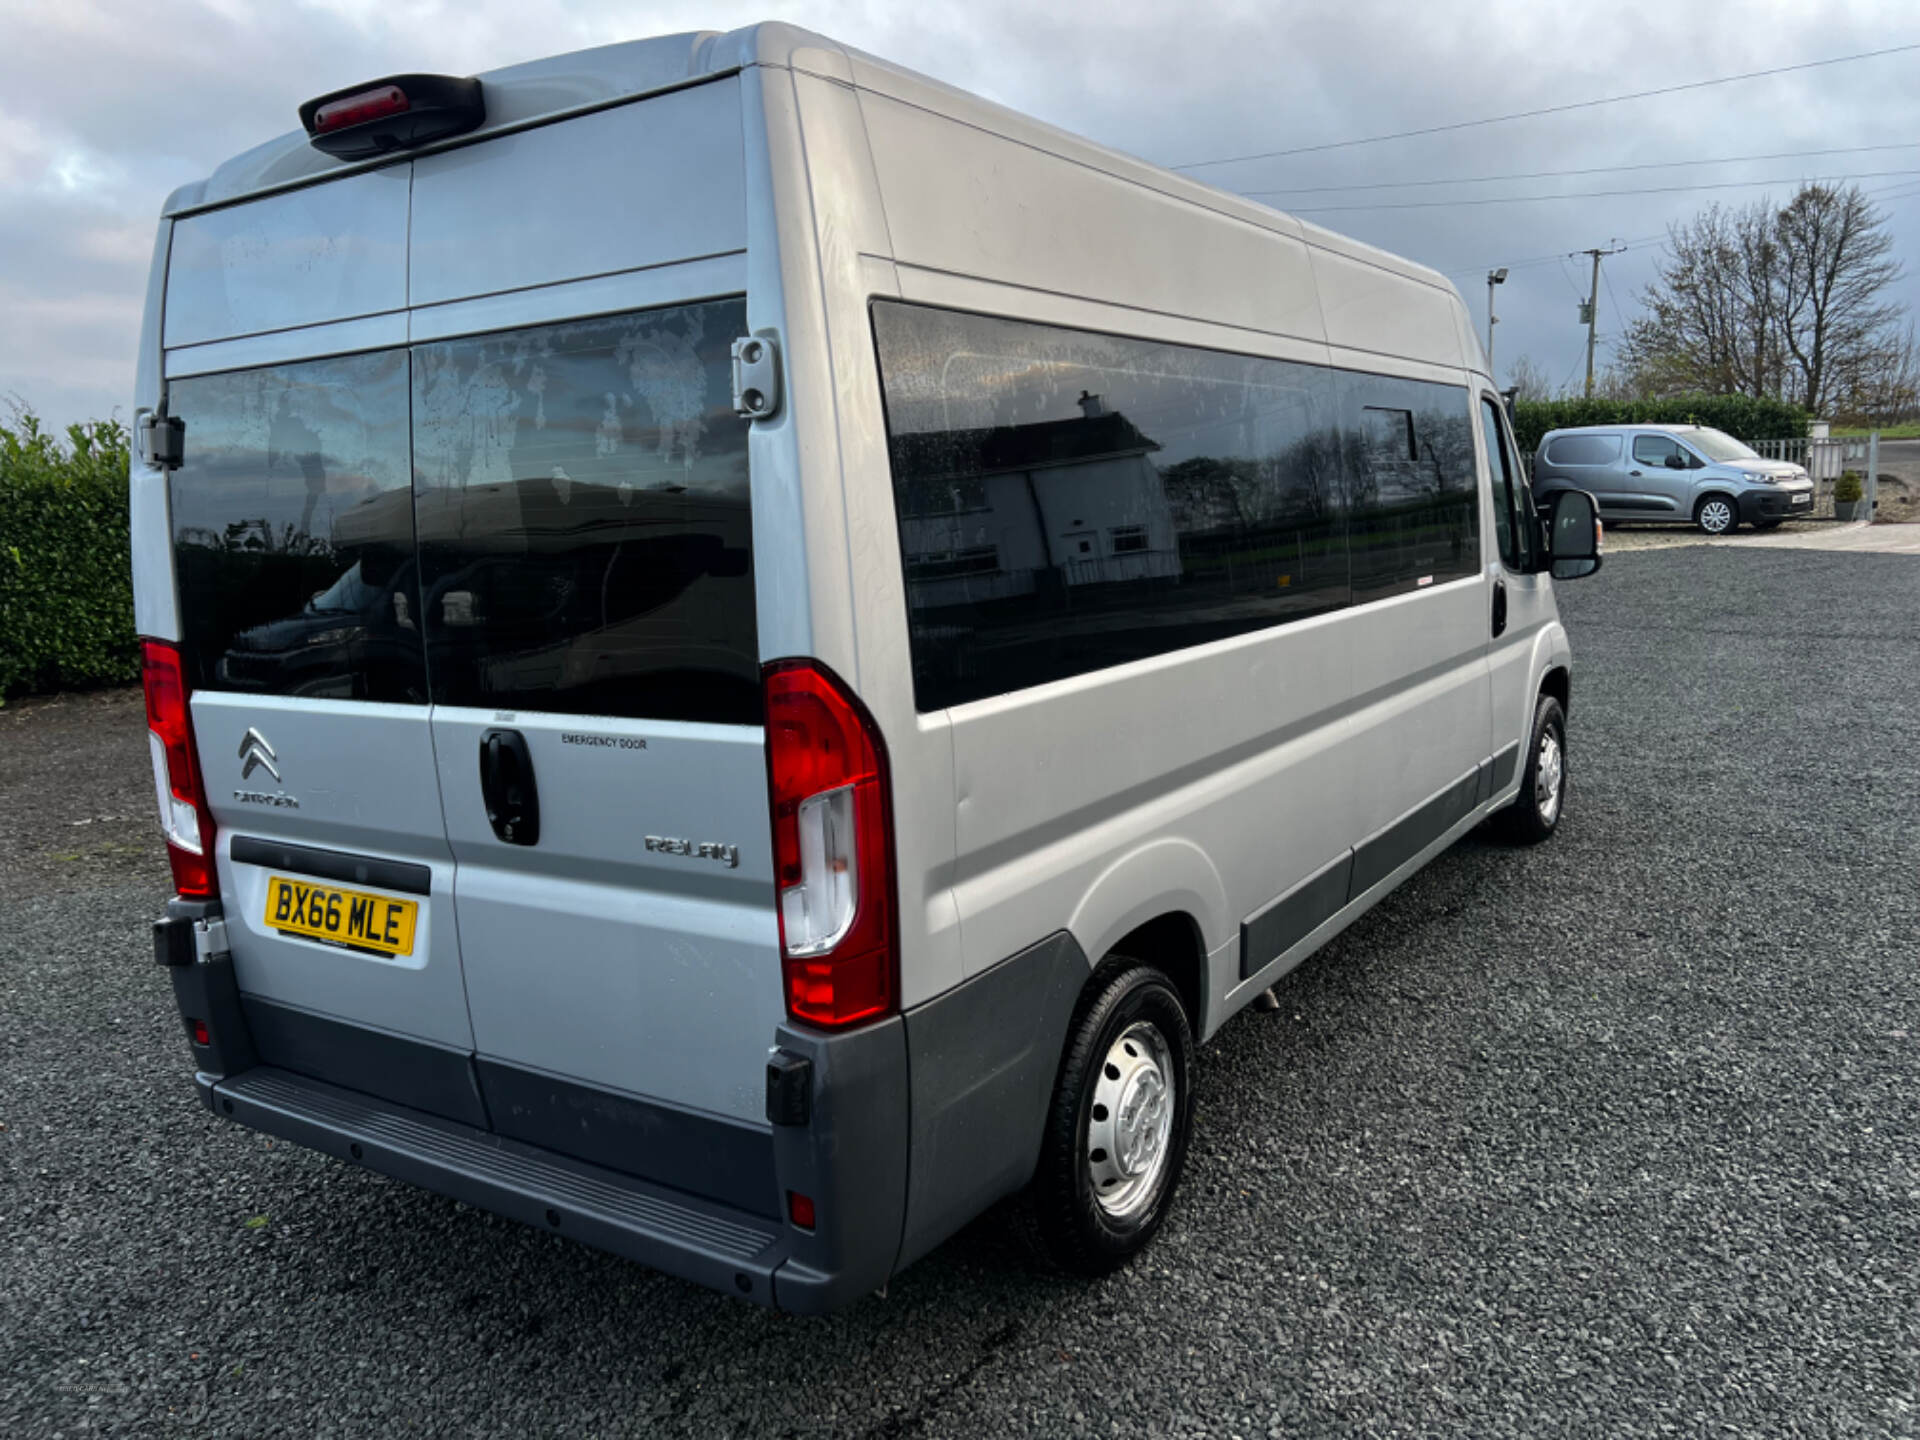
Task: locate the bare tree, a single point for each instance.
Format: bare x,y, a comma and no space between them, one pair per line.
1835,267
1528,380
1782,304
1711,320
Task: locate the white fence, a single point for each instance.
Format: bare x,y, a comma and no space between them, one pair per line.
1826,458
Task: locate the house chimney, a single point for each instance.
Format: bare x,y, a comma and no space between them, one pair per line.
1090,405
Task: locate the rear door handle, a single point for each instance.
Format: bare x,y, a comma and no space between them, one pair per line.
507,787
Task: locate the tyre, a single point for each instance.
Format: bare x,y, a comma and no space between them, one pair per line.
1717,515
1117,1127
1536,810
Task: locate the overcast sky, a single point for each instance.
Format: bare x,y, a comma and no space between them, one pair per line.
106,105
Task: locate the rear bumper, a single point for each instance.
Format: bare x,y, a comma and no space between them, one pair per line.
699,1240
904,1130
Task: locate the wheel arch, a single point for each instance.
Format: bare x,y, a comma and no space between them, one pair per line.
1558,682
1165,904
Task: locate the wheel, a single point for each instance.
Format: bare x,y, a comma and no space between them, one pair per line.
1717,515
1535,811
1117,1127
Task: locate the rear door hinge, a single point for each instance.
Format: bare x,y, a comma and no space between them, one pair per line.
756,376
163,439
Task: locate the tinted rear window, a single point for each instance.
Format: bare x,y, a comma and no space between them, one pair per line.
1584,450
585,537
293,531
551,519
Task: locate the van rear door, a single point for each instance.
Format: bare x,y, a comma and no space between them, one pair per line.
586,563
300,610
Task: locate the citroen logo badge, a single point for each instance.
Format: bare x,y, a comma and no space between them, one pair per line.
257,754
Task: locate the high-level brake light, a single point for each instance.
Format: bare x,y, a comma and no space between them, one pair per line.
380,117
363,105
832,848
184,816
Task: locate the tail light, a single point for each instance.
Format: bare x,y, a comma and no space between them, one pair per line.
832,848
184,816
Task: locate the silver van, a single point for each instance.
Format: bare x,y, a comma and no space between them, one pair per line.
1672,472
745,652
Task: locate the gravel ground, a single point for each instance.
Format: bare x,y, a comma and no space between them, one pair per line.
1617,1136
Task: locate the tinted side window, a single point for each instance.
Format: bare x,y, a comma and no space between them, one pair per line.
1414,486
1584,450
293,531
585,538
1069,501
1653,449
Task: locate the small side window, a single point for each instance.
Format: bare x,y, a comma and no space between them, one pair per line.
1512,507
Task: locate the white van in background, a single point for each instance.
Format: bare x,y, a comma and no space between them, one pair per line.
746,651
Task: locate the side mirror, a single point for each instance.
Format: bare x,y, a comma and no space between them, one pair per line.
1573,535
1676,462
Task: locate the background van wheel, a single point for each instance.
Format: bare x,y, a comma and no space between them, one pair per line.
1536,810
1117,1127
1717,515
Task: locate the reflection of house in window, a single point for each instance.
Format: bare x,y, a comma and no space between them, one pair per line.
1053,503
977,560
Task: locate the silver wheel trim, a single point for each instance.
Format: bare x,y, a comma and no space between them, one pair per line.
1130,1128
1549,776
1716,517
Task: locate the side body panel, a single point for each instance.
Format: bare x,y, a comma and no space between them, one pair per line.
832,247
156,605
1209,780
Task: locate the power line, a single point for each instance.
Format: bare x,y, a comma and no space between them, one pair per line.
1547,109
1572,288
1560,257
1561,174
1594,194
1614,300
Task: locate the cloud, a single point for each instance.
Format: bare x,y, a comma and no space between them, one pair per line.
109,106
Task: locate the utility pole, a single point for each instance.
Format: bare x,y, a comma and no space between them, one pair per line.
1494,277
1591,309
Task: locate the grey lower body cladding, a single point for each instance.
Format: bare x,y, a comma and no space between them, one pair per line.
1289,919
912,1127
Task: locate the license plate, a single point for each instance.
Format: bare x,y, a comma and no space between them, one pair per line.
1803,499
342,917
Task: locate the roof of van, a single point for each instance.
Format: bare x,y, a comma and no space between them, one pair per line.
1622,429
542,90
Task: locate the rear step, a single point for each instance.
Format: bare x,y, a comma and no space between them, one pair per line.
694,1239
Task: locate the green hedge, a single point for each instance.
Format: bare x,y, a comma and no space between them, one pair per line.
1740,417
66,587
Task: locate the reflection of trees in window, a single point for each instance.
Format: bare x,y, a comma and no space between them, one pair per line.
1138,497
